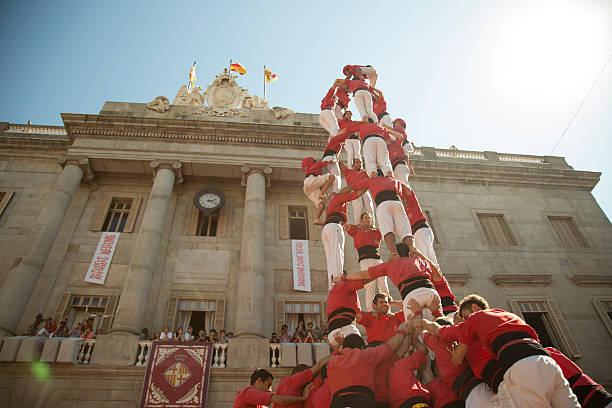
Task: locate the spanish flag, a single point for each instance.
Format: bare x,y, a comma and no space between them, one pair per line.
192,77
270,76
236,67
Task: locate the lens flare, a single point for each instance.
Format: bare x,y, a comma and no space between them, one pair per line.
40,370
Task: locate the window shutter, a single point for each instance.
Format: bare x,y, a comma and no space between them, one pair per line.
220,315
283,222
171,312
280,315
603,314
313,230
98,220
60,310
192,226
129,224
5,200
570,346
515,308
223,220
109,313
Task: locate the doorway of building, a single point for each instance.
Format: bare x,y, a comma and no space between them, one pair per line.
198,322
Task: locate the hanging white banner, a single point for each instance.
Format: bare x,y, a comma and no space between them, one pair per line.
98,268
301,265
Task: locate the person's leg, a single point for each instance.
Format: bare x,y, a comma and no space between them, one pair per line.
423,241
382,156
334,169
366,101
358,209
369,155
338,112
385,225
401,173
370,291
383,287
360,102
371,74
368,205
480,397
349,149
328,121
328,246
386,120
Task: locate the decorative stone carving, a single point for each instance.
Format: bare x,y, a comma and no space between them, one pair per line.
220,111
264,170
89,177
173,165
183,97
159,104
224,91
281,113
253,101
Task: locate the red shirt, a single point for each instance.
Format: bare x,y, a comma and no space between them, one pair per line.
381,327
413,210
361,237
343,98
336,142
379,105
477,356
356,84
402,382
321,398
367,129
329,100
292,386
440,393
251,397
381,379
401,269
343,295
485,326
446,295
353,176
570,369
444,359
378,184
317,383
315,169
338,204
355,367
396,150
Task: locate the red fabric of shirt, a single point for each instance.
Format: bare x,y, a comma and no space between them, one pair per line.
378,184
322,397
316,168
440,393
363,237
337,142
396,150
356,84
343,98
402,382
485,326
367,129
251,397
355,367
413,210
344,295
292,386
381,379
329,100
352,176
444,359
338,204
401,269
570,369
381,327
444,290
379,105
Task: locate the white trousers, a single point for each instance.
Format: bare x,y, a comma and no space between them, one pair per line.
386,120
338,112
363,204
392,217
363,101
332,236
370,288
481,396
535,382
401,173
312,187
352,147
334,169
423,296
375,154
371,74
423,241
328,121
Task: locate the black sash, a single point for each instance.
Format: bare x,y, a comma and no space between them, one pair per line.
335,218
368,252
447,301
381,114
329,153
515,352
397,162
493,374
386,195
355,396
354,136
408,285
422,223
410,402
369,136
465,383
340,317
454,404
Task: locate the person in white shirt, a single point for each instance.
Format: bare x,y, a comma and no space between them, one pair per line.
189,335
166,334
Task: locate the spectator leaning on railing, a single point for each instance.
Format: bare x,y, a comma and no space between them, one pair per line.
166,335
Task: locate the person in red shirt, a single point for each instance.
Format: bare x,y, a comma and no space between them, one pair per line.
343,102
352,145
351,372
321,397
259,393
342,307
332,234
316,183
327,117
405,390
364,203
423,234
361,95
330,155
590,394
379,106
294,384
361,71
380,324
531,378
401,166
390,214
366,240
442,396
412,276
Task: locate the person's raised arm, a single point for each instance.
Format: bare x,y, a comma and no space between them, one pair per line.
396,341
315,369
361,275
289,399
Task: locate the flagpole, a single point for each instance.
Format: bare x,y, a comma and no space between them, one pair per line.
264,79
230,67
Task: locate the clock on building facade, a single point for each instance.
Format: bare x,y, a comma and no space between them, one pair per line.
209,200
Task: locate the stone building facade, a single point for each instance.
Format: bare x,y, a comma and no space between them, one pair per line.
523,231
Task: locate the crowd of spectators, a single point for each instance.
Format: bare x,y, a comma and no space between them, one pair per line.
303,333
49,328
188,336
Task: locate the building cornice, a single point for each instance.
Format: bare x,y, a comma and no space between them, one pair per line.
522,280
592,280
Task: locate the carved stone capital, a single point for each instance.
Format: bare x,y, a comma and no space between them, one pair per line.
248,169
89,178
173,165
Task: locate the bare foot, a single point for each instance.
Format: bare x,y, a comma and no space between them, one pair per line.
318,222
323,196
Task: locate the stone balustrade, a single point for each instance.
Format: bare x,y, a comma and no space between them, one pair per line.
144,349
275,355
86,351
219,355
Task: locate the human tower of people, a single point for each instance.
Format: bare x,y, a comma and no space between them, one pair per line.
432,353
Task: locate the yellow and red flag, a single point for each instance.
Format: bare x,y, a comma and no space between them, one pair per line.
236,67
270,76
192,76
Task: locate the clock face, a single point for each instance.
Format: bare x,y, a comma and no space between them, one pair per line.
209,200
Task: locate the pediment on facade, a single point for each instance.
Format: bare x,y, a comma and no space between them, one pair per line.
592,280
522,280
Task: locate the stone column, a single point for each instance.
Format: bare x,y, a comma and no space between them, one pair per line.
250,348
119,345
20,280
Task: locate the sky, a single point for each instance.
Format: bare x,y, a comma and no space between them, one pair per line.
493,75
